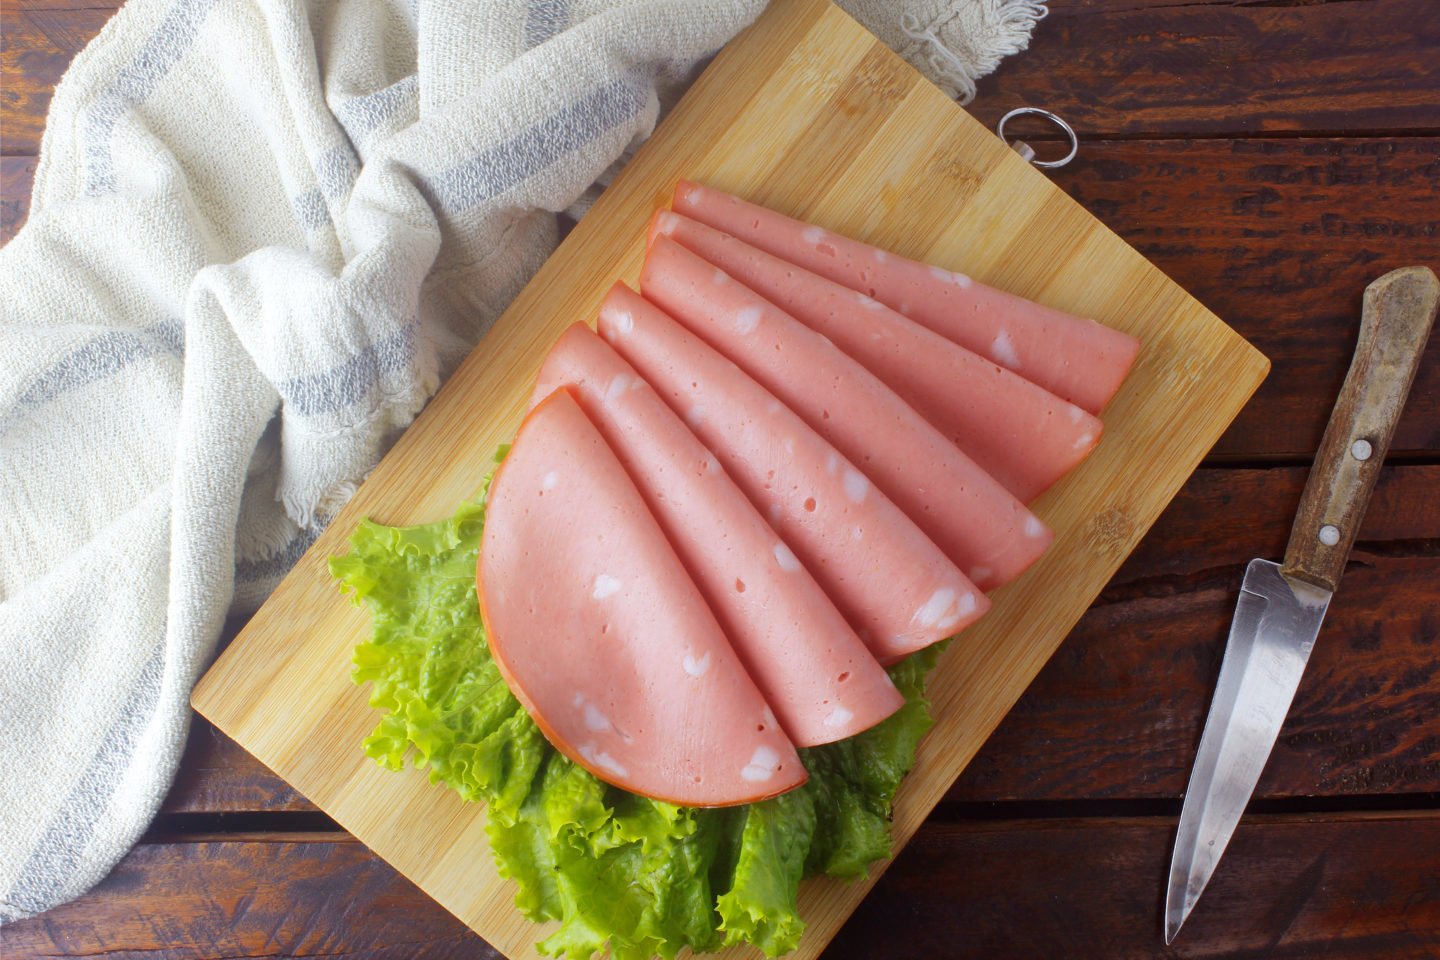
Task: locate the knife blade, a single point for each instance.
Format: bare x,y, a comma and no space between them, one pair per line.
1282,605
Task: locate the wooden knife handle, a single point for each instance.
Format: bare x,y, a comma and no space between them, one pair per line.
1398,312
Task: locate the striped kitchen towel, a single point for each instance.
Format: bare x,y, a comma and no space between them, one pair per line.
262,233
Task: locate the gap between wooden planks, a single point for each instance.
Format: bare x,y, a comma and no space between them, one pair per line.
1346,886
1117,68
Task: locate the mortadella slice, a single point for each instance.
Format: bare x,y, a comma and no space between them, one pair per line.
603,636
1075,358
893,584
812,669
975,521
1022,435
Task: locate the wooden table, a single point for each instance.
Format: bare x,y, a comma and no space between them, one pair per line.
1273,158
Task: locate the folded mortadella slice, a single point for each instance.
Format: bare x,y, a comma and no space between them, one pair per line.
812,669
892,583
603,636
1075,358
975,521
1021,434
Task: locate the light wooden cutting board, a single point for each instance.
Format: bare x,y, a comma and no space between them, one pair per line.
810,114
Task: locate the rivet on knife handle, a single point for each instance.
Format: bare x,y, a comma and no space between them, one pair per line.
1399,310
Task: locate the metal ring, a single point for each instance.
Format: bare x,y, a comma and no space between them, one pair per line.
1039,112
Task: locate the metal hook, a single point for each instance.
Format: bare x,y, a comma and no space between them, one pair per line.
1027,151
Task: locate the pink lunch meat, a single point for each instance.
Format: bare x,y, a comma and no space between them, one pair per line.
603,636
812,669
1022,435
893,584
972,518
1075,358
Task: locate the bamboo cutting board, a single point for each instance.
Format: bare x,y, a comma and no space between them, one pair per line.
808,113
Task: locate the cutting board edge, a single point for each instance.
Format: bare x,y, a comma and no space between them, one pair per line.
334,538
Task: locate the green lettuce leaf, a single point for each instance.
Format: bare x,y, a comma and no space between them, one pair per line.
759,907
618,871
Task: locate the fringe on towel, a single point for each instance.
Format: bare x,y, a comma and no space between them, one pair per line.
953,42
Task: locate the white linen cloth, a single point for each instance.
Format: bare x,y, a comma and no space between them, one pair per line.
262,233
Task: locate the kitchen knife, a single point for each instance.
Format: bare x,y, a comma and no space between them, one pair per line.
1282,605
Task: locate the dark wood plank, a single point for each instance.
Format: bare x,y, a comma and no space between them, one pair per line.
1289,888
1224,517
1157,69
36,45
1218,69
217,775
1280,238
16,176
1071,8
1343,886
1117,713
268,897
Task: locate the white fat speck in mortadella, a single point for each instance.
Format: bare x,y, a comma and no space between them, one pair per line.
696,667
789,636
945,609
1003,350
596,720
762,766
603,760
856,485
786,558
746,320
598,676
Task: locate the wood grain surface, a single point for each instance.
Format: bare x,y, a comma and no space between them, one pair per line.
809,113
1147,67
1277,229
1279,237
1246,68
1342,887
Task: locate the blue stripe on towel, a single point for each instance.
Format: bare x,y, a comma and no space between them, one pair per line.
354,378
507,164
134,84
545,19
59,850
